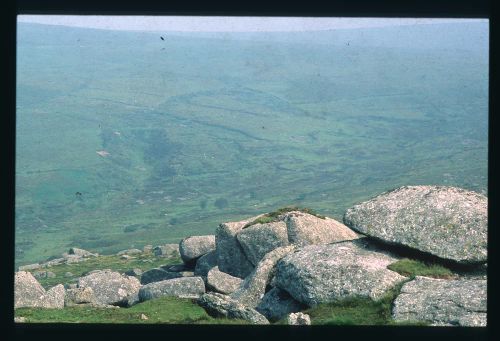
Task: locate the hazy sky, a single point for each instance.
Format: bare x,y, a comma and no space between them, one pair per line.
224,24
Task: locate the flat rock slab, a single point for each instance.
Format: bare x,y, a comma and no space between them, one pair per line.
110,287
328,273
307,229
221,305
192,248
448,222
442,302
222,282
185,287
259,239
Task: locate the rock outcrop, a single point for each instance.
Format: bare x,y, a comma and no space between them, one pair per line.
222,282
221,305
192,248
257,240
298,319
157,275
329,273
448,222
185,287
230,256
277,303
81,252
253,288
205,263
109,287
29,293
442,302
79,296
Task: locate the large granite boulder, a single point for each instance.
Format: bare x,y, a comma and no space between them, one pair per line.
192,248
253,288
224,306
306,229
259,239
277,303
29,293
448,222
79,296
205,263
328,273
442,302
230,256
222,282
109,287
184,287
157,275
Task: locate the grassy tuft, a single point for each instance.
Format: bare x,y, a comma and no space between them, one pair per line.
169,310
411,268
273,216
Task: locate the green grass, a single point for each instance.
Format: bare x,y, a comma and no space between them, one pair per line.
144,261
411,268
273,216
163,310
358,311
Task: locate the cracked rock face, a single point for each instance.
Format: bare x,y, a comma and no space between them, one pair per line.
448,222
110,287
442,302
328,273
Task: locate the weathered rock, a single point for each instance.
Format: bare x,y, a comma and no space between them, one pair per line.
167,250
306,229
27,291
147,248
144,317
29,267
126,257
447,222
54,297
230,256
298,319
80,252
192,248
79,296
110,287
257,240
185,287
136,272
129,252
328,273
277,304
442,302
205,263
221,305
53,262
70,259
70,286
156,275
222,282
133,300
20,319
176,267
44,274
253,288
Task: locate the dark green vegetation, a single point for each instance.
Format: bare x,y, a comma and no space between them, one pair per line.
142,261
199,130
411,268
170,310
273,216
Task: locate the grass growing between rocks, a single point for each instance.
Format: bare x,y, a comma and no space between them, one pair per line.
144,261
169,310
273,216
411,268
358,311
